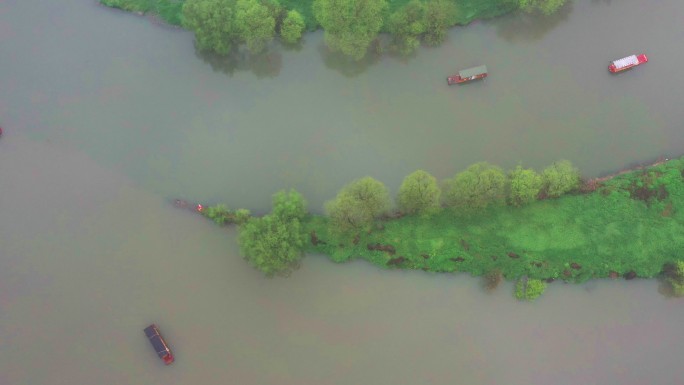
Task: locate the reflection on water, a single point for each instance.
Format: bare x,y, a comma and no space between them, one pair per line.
522,26
264,65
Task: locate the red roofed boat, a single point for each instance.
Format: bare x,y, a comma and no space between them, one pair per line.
469,74
158,343
627,62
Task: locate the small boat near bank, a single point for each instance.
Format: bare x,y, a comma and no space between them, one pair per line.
467,75
627,62
159,344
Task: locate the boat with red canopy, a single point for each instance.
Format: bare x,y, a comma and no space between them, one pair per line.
469,74
159,345
627,62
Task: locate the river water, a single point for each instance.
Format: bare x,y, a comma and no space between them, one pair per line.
107,116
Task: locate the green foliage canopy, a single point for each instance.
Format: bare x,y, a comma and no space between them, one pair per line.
477,187
289,205
524,186
419,193
350,25
358,203
271,244
292,27
406,25
529,289
438,16
546,7
254,23
560,178
212,23
676,279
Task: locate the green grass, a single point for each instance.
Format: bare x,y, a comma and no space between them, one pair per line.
574,238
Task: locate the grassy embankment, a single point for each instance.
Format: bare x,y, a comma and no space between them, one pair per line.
630,226
170,10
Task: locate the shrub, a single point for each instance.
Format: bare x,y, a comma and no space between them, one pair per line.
477,187
529,289
219,214
272,245
212,22
292,27
524,186
358,204
241,216
406,26
560,178
289,205
438,15
675,277
419,193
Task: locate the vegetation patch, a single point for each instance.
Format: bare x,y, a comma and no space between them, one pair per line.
606,233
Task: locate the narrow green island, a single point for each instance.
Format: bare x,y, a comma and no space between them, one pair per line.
520,225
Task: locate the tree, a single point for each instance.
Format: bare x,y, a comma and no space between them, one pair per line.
524,186
350,25
254,23
292,27
406,26
212,23
546,7
358,203
675,277
560,178
477,187
438,16
289,205
272,244
419,193
529,289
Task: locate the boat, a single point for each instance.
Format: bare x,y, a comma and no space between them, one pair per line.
467,75
627,62
159,345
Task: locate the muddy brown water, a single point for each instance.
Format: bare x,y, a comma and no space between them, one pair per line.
108,116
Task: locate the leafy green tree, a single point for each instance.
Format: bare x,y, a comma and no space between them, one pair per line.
560,178
675,278
350,25
546,7
254,23
358,203
292,27
271,244
438,16
406,26
524,186
419,193
289,205
529,289
480,185
212,23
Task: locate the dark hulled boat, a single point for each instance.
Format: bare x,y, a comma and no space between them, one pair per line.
158,343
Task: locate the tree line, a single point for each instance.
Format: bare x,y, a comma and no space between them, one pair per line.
351,26
274,243
481,185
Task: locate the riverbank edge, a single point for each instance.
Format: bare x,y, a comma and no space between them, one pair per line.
173,20
379,245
